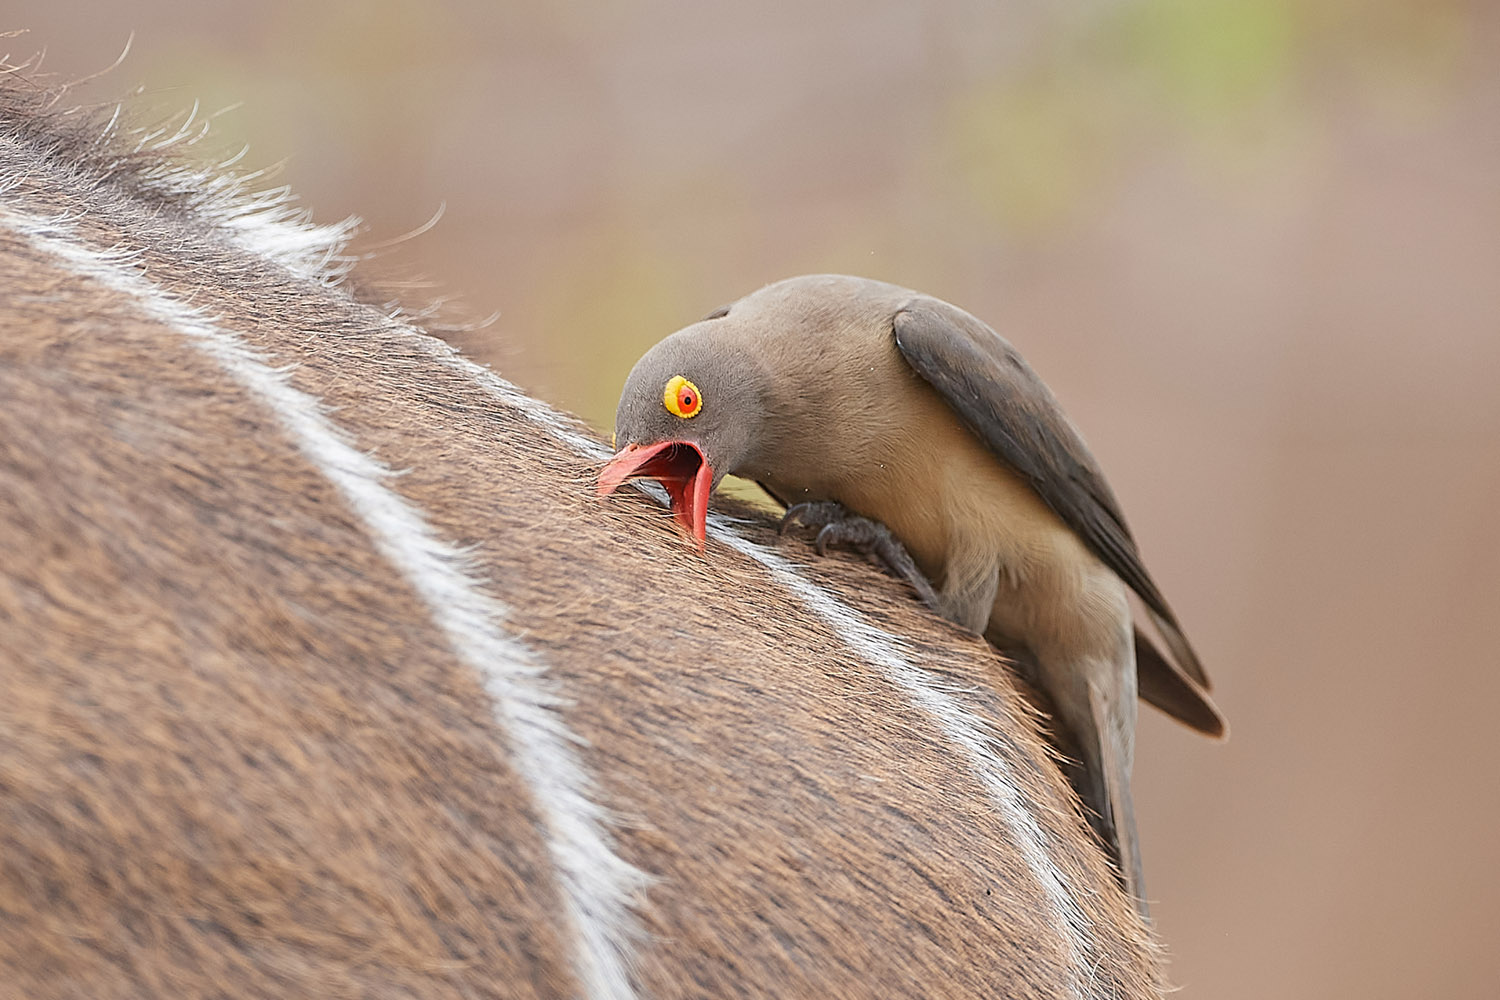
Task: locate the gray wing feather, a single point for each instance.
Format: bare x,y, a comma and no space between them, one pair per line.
1003,401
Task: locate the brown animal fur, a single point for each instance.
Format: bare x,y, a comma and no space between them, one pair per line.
238,758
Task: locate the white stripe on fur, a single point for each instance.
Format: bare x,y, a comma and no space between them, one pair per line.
597,888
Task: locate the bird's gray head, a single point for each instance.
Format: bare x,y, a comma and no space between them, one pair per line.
690,412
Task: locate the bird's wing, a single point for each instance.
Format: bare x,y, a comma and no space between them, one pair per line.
1003,401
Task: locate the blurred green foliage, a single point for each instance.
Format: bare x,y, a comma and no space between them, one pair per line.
1211,60
1036,144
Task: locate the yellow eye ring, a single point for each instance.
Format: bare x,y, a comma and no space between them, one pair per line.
682,397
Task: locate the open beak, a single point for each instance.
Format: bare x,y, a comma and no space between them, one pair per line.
677,465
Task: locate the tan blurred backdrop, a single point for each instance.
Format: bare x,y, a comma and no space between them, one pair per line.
1254,246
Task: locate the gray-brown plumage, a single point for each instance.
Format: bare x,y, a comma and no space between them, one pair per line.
911,413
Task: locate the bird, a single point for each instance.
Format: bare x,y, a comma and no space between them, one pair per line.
901,425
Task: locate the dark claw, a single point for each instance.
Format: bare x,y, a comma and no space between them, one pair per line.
837,526
824,537
790,517
813,513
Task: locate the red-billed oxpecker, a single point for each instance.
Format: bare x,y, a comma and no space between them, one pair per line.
903,426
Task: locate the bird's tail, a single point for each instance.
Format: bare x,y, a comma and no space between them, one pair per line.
1105,789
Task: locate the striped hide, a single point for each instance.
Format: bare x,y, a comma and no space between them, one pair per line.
324,674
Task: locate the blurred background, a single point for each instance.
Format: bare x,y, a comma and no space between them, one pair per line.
1253,245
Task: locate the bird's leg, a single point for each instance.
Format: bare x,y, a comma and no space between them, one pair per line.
837,526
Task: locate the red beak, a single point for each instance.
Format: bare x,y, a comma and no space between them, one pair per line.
677,465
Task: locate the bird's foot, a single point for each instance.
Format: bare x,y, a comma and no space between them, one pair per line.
837,526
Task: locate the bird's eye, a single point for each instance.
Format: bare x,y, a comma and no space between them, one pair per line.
682,397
